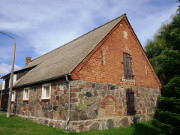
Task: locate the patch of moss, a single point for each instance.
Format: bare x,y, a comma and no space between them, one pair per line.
87,102
82,107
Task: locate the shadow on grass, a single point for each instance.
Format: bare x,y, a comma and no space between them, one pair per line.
142,129
11,116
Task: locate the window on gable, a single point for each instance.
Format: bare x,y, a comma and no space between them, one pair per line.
127,66
13,96
130,102
26,94
46,91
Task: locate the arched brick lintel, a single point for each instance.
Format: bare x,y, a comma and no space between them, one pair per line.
103,102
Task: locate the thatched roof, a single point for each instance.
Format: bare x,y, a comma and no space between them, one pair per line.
64,59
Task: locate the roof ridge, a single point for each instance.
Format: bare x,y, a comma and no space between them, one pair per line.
80,36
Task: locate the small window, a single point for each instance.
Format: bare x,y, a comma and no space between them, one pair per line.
127,66
13,96
46,91
26,94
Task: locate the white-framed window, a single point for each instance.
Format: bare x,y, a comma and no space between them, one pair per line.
26,94
46,91
13,96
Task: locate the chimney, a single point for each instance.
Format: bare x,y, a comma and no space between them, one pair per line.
28,60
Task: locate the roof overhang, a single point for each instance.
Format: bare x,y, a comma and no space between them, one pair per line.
17,71
41,81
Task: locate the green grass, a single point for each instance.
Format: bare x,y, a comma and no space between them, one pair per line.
18,126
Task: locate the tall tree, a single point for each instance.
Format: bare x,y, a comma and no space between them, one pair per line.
163,53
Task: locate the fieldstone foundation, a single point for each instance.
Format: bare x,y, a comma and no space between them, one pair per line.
59,124
107,123
94,106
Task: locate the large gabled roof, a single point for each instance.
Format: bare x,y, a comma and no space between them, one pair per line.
64,59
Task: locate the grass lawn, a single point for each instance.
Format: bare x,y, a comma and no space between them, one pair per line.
18,126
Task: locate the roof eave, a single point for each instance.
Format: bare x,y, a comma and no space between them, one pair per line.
41,81
7,75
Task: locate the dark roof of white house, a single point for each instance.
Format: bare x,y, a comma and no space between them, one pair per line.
66,58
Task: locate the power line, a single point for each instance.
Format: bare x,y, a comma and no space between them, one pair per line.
7,35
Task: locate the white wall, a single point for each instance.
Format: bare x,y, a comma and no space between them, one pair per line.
14,78
3,84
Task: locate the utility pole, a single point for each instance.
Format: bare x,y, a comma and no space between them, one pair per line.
11,78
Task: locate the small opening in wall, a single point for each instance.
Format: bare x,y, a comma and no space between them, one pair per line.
103,58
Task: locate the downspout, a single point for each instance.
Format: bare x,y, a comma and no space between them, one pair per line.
69,103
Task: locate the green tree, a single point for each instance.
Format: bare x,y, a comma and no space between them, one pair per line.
166,65
164,56
163,51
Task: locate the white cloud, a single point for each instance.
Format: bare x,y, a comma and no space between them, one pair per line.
5,68
47,24
153,22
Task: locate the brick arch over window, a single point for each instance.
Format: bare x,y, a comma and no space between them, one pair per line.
104,101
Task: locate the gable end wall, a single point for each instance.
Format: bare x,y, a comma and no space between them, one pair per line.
105,63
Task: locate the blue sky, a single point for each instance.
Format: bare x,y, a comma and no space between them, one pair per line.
40,26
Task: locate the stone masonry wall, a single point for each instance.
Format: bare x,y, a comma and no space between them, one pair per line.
51,112
93,105
103,106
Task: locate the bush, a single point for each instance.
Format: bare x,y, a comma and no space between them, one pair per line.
167,115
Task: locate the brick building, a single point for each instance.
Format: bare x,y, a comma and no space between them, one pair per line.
100,80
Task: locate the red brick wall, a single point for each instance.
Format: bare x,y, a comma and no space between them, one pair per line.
104,63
